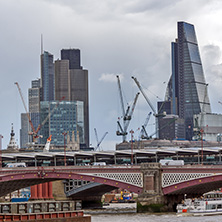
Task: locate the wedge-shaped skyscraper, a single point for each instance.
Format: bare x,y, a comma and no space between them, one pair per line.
187,89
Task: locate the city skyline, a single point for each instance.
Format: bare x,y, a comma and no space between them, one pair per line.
132,40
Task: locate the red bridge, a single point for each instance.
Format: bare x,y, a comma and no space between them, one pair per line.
129,178
146,179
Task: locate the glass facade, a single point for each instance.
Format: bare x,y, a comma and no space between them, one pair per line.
188,89
73,55
47,77
67,117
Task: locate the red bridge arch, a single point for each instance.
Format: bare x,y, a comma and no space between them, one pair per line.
195,186
13,180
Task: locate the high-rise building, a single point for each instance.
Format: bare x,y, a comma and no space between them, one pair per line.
47,77
73,55
62,79
34,95
187,89
24,131
71,81
67,117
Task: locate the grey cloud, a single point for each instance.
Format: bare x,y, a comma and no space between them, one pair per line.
211,53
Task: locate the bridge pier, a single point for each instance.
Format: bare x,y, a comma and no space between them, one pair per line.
152,187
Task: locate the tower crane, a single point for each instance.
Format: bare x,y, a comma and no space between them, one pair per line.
149,103
34,132
26,110
127,116
97,140
143,132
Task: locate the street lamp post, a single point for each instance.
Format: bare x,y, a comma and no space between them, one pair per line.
201,131
64,134
131,131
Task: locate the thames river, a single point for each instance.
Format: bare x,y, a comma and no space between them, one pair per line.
151,217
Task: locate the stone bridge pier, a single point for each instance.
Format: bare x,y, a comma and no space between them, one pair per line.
152,185
152,188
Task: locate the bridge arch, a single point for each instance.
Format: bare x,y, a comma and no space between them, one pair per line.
195,186
14,181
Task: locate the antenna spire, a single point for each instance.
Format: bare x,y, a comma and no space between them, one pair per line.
41,44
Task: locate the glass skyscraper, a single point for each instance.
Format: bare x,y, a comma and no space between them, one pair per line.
187,89
47,77
67,116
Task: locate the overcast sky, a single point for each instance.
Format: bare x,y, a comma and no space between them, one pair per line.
127,37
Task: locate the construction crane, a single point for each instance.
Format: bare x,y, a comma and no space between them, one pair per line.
143,133
97,140
127,115
146,98
157,115
34,132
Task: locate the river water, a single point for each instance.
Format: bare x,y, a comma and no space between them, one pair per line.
136,217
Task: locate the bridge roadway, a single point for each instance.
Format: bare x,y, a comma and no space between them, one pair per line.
148,179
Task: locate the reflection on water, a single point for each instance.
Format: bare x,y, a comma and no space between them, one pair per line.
152,217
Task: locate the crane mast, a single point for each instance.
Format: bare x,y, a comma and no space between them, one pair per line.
149,103
127,116
26,110
97,140
131,112
146,98
126,122
143,132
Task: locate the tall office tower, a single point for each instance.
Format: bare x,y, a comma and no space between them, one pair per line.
187,88
62,78
73,55
34,95
34,102
47,77
25,128
71,81
67,117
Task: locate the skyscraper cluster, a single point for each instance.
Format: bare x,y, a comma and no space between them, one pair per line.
58,101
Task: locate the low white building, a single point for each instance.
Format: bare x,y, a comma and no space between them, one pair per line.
210,123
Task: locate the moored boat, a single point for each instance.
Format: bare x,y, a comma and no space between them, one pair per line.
209,204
